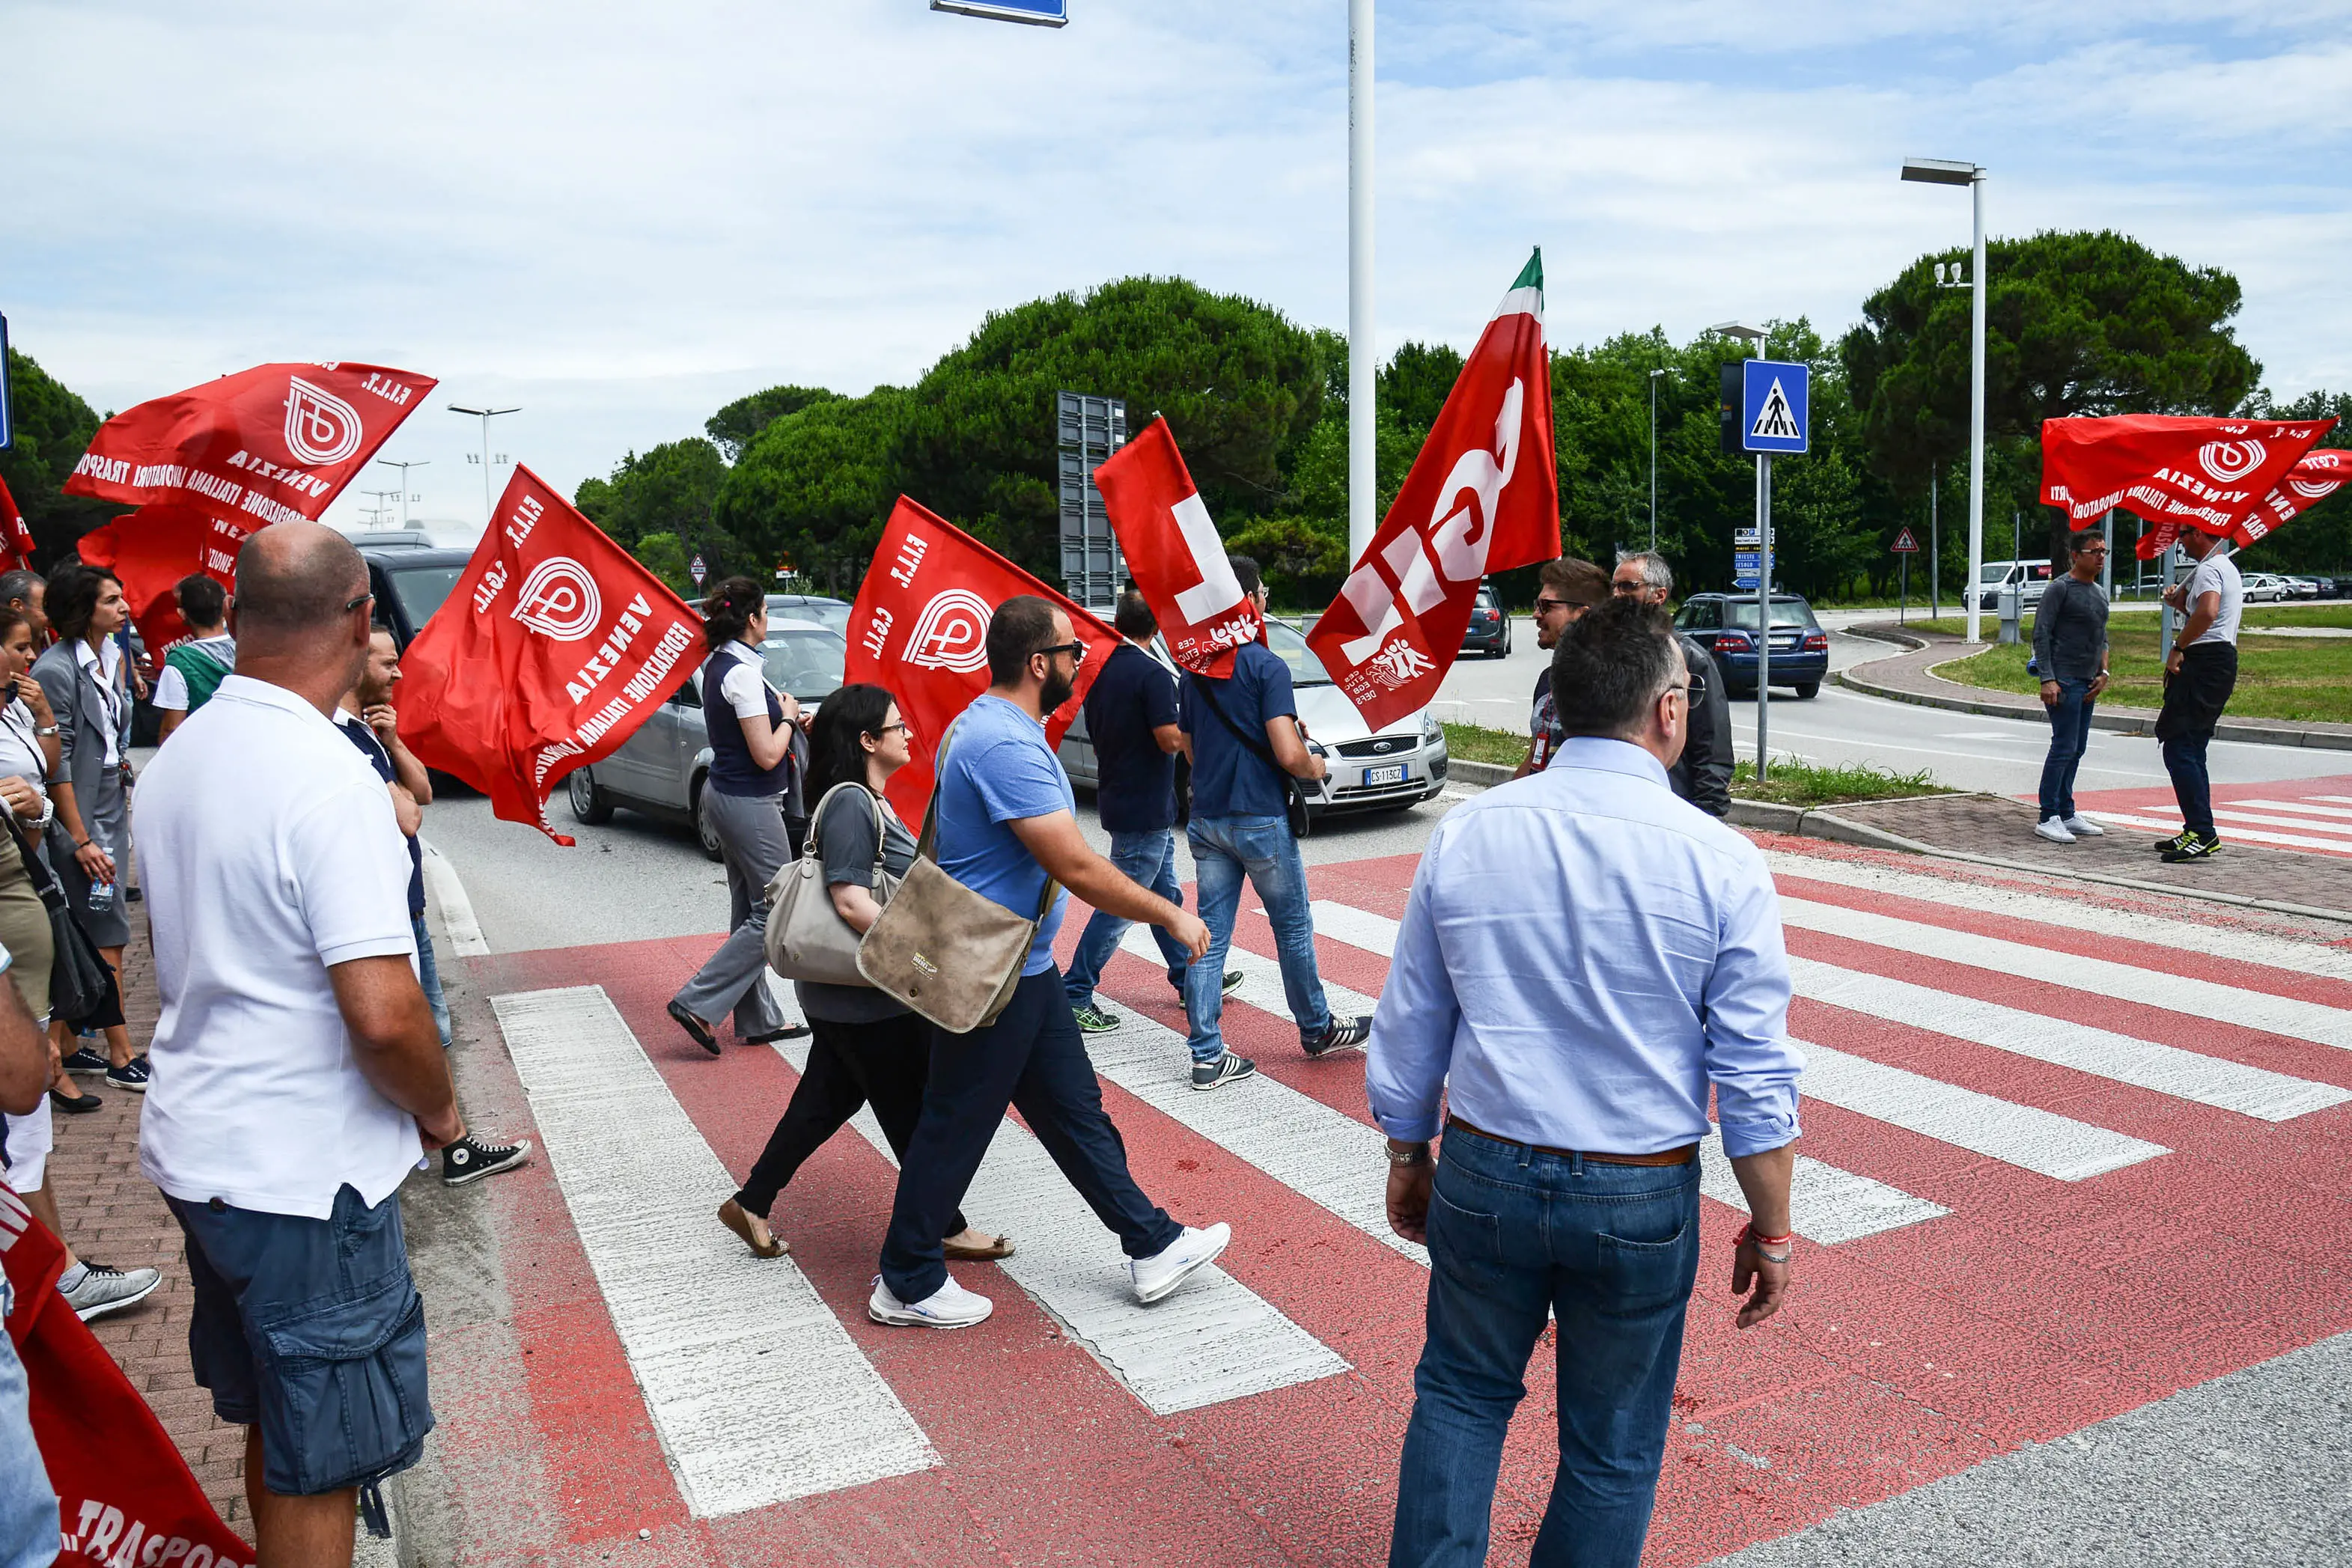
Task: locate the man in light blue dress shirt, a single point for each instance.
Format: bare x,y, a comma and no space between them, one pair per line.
1582,958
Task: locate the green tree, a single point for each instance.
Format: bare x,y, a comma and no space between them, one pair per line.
669,489
816,487
664,556
53,429
739,424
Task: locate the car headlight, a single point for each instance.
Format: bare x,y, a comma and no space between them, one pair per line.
1431,732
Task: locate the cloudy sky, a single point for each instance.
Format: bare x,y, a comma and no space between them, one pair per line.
622,216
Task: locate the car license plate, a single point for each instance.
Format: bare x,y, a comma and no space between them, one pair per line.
1394,773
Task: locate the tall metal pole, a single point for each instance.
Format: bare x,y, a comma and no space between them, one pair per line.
1763,609
1976,404
404,467
485,413
2107,566
1363,455
1653,460
1935,521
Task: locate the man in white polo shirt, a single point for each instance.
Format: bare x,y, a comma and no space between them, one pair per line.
298,1077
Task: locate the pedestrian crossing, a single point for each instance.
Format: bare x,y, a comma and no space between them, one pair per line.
2317,823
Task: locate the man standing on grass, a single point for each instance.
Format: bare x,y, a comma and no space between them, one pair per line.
2070,649
2199,673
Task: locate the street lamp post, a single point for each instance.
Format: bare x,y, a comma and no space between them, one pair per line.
1942,171
1363,447
1654,457
485,414
404,467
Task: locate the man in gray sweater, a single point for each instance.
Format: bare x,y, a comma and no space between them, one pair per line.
2070,650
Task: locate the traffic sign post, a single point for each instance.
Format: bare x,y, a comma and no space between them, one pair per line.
1904,548
697,570
1775,410
7,405
1036,13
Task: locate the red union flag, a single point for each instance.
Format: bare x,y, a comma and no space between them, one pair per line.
553,646
2317,474
16,538
920,628
1172,549
153,549
2175,473
1483,497
269,443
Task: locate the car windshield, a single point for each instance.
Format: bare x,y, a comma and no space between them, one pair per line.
805,660
422,589
1785,613
829,614
1289,645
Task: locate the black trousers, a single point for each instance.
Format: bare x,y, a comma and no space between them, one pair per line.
850,1065
1032,1057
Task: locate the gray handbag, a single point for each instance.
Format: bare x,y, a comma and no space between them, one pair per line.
947,953
807,938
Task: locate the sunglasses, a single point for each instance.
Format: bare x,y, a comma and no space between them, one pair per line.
1075,649
1546,606
355,605
1626,589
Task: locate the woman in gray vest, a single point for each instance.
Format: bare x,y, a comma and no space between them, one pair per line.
90,837
755,747
867,1049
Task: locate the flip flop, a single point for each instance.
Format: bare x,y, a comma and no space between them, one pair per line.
1003,1249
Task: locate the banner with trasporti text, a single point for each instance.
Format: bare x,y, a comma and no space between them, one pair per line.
920,628
1172,550
552,647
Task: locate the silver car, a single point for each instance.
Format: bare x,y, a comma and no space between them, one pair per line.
660,770
1395,767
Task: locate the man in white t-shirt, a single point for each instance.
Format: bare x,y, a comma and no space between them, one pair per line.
2200,673
194,669
297,1076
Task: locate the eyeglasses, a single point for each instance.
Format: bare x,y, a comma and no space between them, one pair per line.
900,726
355,605
1546,606
1625,588
1075,649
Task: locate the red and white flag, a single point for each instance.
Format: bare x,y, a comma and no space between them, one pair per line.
2317,474
553,646
16,538
920,628
270,444
1483,496
1174,551
153,549
2175,473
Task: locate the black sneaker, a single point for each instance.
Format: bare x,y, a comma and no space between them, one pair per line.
2175,841
130,1075
82,1058
1345,1034
1224,1071
2194,847
73,1101
470,1159
1232,983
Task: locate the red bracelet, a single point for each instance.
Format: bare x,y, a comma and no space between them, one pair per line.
1749,1233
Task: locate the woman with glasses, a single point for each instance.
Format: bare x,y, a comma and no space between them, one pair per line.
755,745
866,1048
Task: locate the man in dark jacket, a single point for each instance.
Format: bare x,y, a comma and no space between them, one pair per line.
1703,776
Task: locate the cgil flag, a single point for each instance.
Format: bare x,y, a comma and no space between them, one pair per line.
151,549
1174,551
264,445
550,650
920,628
16,538
2175,473
1483,496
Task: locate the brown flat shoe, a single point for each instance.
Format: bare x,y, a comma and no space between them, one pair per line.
731,1216
1001,1249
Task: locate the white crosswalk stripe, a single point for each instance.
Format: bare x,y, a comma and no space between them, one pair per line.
2309,808
1825,1204
757,1390
2171,821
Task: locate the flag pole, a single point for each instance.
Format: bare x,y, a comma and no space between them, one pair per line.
1363,356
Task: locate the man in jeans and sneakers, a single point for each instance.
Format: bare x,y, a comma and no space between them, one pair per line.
1247,746
2200,673
1006,822
1131,724
2070,650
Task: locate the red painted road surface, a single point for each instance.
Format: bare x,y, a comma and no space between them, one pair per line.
2033,1307
2314,815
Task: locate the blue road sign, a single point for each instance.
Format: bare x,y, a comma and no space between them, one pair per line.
1747,582
1751,561
1774,404
7,409
1038,13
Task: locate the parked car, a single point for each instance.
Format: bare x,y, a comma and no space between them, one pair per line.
409,583
2030,576
2307,587
1724,625
2265,588
1389,769
1489,632
660,769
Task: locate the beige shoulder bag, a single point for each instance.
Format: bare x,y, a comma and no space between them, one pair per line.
951,955
807,938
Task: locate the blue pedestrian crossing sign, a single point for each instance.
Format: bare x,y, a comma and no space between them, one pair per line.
1774,404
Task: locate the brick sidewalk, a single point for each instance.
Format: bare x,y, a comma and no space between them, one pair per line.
115,1214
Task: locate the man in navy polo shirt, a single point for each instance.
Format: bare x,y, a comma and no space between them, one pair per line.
1131,721
1245,737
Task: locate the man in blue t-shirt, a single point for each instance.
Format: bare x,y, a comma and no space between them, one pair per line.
1005,825
1131,721
1245,737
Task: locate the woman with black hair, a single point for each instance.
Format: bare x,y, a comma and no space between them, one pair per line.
755,745
868,1049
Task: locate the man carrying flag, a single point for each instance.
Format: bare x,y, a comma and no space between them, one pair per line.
2201,671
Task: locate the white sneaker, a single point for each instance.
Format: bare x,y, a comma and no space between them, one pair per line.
1160,1273
2054,830
949,1307
2084,828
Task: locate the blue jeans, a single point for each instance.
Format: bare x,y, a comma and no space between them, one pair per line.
1612,1250
28,1508
429,975
2070,737
2192,786
1224,849
1148,860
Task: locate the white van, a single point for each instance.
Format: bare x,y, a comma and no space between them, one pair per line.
2030,576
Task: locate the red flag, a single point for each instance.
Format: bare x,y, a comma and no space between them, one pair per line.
2316,475
1172,549
16,538
553,646
920,628
2175,473
269,443
1483,496
124,1494
151,549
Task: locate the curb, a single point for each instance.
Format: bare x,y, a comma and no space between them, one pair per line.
1484,775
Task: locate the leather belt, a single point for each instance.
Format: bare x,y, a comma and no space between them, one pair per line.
1681,1157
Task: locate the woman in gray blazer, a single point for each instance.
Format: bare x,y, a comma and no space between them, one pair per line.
89,839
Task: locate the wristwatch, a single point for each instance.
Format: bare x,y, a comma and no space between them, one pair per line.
1416,1155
